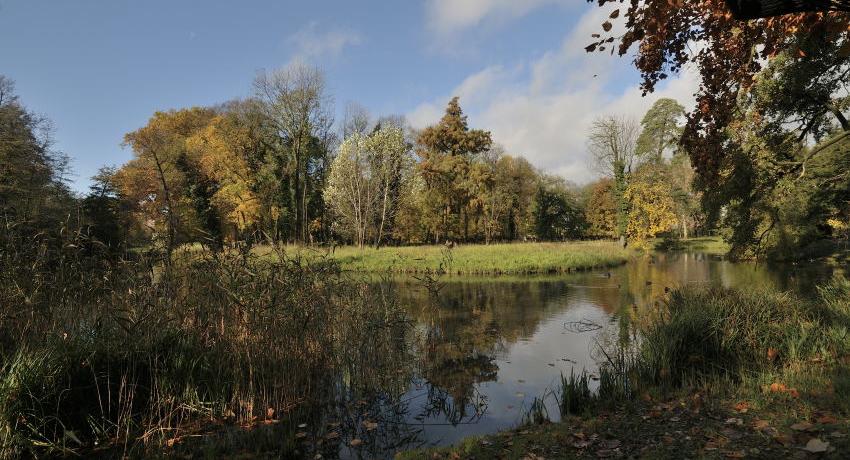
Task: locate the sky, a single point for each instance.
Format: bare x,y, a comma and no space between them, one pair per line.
100,68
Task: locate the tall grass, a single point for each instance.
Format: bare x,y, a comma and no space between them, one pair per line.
100,352
718,331
713,334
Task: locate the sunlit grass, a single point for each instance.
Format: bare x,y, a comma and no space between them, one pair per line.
494,259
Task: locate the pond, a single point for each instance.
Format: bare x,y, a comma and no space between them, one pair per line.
479,353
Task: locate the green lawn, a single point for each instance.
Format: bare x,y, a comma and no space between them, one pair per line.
494,259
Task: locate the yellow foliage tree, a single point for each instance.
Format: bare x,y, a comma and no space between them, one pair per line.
221,150
652,208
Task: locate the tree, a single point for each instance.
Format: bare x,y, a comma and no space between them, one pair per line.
223,150
612,142
557,215
601,210
356,120
298,111
351,190
164,184
32,185
653,210
102,209
445,150
660,129
390,158
731,53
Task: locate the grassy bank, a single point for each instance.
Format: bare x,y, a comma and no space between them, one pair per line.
702,244
494,259
717,374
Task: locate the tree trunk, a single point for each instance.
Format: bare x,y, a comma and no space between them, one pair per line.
167,195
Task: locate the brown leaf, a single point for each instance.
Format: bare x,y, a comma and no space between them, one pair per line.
760,424
607,26
802,426
615,14
815,445
734,454
355,442
826,420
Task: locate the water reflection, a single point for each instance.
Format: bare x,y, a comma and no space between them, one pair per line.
473,359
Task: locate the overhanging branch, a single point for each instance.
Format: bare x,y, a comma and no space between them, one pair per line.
756,9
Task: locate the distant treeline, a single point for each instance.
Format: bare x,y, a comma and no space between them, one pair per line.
276,167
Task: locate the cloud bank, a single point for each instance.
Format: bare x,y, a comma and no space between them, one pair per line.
542,109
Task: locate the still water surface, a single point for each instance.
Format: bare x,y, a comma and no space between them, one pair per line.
479,354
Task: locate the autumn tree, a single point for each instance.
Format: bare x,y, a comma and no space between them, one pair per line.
225,151
390,156
164,183
726,52
446,150
601,210
651,204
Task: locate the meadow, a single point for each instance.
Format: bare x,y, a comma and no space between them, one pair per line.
493,259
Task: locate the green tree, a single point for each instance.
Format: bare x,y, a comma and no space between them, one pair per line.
102,208
660,129
298,114
32,186
557,214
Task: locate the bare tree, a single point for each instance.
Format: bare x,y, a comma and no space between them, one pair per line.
356,120
298,108
612,142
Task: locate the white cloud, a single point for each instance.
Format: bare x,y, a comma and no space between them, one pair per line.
312,42
543,110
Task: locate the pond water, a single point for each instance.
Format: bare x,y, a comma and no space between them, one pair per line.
481,352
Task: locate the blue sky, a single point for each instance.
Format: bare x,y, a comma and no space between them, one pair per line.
100,68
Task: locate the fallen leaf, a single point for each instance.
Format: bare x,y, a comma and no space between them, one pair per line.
604,453
355,442
369,425
783,439
734,454
802,426
778,388
772,353
826,420
734,421
815,446
332,435
742,406
301,435
760,424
